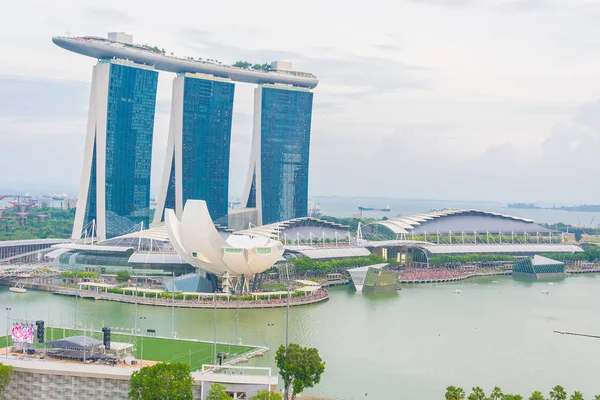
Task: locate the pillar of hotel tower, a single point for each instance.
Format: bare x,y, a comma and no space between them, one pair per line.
197,161
277,181
114,191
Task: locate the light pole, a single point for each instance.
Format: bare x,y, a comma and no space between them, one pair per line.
76,297
267,336
287,320
237,321
136,307
173,306
7,325
142,350
215,329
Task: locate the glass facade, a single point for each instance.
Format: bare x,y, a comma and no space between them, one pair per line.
170,199
206,140
285,147
129,133
90,209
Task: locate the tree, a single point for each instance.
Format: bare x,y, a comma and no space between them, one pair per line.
558,393
266,395
299,367
497,394
123,276
512,397
577,396
577,236
477,394
454,393
217,392
6,373
537,395
162,381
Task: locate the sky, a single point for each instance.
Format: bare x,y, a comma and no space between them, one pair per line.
442,99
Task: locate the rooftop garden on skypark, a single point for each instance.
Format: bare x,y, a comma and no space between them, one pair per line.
266,67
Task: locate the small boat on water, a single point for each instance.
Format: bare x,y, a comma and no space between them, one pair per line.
458,291
17,290
550,283
545,292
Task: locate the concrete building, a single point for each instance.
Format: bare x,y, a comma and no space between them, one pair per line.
277,180
197,162
59,380
24,251
114,191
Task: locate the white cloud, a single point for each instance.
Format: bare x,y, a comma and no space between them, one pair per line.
418,98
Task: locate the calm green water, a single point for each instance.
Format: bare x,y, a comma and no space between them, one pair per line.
406,345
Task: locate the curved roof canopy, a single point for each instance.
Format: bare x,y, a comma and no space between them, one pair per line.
467,221
276,230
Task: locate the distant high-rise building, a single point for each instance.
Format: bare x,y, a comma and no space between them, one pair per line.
114,191
197,161
277,184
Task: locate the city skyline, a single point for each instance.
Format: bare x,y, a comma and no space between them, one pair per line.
473,110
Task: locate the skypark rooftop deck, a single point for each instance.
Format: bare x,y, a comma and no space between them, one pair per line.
102,48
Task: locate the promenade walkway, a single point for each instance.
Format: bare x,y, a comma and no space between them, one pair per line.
442,275
312,298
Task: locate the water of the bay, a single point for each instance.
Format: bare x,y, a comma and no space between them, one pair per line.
348,206
406,345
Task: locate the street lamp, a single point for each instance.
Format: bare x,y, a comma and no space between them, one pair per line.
142,352
267,331
7,325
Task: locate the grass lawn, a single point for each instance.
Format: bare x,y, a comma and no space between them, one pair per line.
155,349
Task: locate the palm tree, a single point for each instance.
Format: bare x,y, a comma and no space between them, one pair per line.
558,393
577,396
537,395
455,393
478,394
497,394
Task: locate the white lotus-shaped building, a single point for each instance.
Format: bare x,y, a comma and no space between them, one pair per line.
197,241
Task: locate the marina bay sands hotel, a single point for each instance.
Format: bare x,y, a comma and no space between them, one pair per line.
114,191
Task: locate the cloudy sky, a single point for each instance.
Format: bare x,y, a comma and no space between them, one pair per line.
441,99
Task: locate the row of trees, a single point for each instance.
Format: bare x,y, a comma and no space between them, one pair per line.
58,225
6,373
307,264
572,229
468,258
591,253
78,274
249,65
299,367
180,296
557,393
484,238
